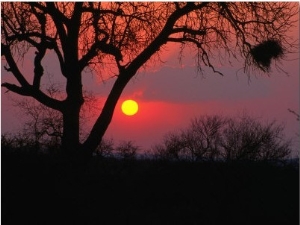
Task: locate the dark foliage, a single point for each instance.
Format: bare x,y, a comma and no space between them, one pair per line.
48,190
264,52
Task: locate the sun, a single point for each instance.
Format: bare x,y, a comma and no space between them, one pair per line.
130,107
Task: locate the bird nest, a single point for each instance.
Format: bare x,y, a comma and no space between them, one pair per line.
264,52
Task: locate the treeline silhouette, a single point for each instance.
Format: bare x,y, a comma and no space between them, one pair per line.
207,138
171,184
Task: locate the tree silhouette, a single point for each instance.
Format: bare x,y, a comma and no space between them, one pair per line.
203,137
216,137
123,37
127,150
247,138
44,125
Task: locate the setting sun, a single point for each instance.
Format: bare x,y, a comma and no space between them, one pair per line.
130,107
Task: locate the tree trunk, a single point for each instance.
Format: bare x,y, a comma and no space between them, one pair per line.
106,115
70,139
71,111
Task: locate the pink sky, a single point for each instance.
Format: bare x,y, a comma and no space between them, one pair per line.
170,95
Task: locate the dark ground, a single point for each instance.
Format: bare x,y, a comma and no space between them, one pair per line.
42,190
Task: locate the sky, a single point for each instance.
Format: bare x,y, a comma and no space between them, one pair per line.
171,94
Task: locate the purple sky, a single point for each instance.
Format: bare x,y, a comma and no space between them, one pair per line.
171,94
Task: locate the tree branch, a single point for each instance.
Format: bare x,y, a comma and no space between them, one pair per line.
185,39
188,31
46,100
26,89
59,20
204,54
13,66
104,118
103,47
101,11
53,10
235,23
16,89
37,94
162,38
38,68
60,59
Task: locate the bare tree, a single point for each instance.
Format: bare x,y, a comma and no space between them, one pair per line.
172,147
221,138
123,36
126,150
274,146
45,125
41,123
203,137
247,138
199,142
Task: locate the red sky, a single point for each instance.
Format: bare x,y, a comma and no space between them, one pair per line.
170,95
